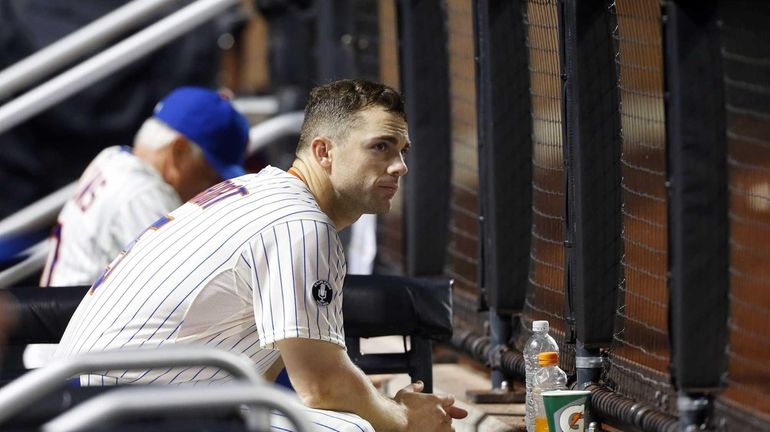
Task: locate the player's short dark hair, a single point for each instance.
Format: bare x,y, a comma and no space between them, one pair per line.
332,108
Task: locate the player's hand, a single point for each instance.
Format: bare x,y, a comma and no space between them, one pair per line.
428,412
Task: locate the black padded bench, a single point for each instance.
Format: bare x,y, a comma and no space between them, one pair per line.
375,305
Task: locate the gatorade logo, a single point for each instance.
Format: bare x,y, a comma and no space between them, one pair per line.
571,417
574,419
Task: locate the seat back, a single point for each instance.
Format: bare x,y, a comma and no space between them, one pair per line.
418,308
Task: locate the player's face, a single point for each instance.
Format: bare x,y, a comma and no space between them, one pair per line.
367,167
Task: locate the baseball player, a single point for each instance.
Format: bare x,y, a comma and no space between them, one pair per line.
254,265
193,140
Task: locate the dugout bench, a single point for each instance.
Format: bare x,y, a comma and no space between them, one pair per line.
419,309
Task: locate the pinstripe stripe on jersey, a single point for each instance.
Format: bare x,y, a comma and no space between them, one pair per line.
304,278
293,281
280,279
329,274
269,301
317,276
259,288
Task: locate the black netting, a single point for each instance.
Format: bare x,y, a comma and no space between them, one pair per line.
640,355
639,358
463,246
746,64
390,227
545,297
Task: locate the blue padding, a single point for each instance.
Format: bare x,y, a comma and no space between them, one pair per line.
12,246
283,380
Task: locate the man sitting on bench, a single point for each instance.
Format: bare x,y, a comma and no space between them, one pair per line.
254,265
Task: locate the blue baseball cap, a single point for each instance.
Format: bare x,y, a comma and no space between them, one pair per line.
209,120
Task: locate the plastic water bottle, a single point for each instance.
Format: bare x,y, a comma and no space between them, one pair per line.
540,342
549,377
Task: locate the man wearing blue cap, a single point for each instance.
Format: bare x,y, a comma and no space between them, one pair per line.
193,140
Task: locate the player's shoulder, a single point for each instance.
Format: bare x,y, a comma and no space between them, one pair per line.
129,172
270,176
276,187
113,154
294,204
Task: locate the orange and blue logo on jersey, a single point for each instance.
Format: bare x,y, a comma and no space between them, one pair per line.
217,193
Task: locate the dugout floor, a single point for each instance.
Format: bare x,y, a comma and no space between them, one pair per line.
455,379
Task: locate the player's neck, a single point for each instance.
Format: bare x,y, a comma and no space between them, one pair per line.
317,180
156,159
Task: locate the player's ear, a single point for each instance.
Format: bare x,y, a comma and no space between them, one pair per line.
321,150
180,150
176,153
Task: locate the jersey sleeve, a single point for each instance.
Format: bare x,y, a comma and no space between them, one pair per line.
297,272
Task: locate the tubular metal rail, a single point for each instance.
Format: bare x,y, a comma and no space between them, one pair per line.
33,261
32,386
40,214
122,403
273,129
138,402
78,43
109,61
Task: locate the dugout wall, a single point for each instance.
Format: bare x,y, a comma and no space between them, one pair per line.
688,289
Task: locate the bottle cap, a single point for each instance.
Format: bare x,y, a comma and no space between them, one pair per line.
540,325
548,358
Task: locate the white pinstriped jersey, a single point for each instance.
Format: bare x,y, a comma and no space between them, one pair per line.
117,197
244,264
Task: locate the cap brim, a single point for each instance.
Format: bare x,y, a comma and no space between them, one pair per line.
224,171
231,171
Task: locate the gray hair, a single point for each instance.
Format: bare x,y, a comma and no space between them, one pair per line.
154,135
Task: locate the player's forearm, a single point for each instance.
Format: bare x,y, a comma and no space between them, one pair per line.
351,390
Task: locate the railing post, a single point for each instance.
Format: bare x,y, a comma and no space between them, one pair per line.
592,147
698,224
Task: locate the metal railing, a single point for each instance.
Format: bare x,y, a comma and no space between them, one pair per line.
273,129
133,403
78,43
39,214
109,61
32,386
33,260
